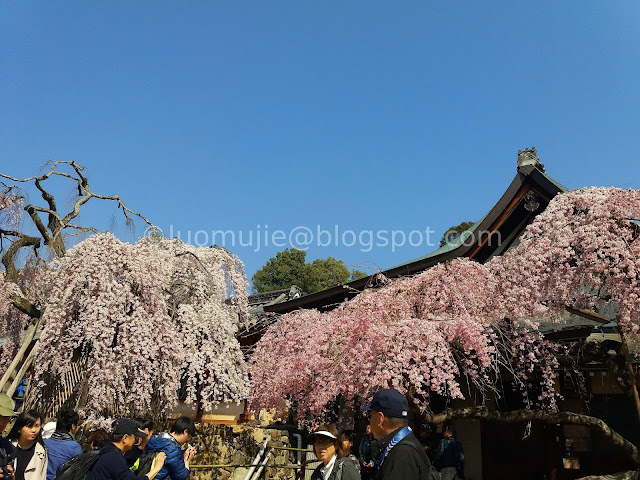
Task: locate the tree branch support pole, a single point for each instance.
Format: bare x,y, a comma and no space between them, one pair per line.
26,342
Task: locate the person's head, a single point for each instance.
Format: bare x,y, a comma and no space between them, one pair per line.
7,406
48,429
326,443
67,421
146,425
449,431
182,430
425,430
346,441
27,428
97,438
125,434
389,411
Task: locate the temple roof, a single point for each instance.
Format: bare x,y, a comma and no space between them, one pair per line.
528,194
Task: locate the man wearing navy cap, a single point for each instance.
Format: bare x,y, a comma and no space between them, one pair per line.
401,454
111,464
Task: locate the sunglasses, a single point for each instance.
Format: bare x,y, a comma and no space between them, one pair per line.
323,441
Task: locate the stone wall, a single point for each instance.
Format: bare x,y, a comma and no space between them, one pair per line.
238,445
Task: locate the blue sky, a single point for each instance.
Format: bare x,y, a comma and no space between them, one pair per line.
368,116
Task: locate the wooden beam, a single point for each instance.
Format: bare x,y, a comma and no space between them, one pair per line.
501,219
590,315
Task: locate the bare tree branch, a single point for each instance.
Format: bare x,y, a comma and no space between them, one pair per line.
52,232
125,210
41,177
42,229
8,258
82,229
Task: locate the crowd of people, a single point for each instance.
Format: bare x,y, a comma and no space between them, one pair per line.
132,450
389,450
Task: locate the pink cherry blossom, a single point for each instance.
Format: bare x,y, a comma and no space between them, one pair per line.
460,322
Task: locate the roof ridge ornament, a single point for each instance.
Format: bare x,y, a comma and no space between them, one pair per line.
529,156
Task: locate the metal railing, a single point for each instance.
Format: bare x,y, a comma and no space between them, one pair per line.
261,460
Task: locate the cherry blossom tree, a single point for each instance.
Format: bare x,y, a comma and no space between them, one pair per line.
151,319
461,323
127,328
421,334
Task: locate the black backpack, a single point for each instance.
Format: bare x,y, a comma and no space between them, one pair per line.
144,463
78,467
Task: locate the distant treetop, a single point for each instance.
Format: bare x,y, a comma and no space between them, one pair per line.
289,268
454,232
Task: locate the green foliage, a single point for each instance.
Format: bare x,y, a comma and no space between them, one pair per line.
325,273
289,268
454,232
286,269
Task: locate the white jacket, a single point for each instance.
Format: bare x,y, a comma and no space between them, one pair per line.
37,467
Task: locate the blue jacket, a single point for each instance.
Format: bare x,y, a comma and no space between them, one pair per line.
364,450
59,451
173,468
449,454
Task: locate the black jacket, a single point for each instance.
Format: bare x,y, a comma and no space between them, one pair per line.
133,455
406,461
111,465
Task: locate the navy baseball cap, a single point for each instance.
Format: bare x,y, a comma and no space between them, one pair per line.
390,402
126,426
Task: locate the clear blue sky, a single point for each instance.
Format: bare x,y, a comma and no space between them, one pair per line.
368,115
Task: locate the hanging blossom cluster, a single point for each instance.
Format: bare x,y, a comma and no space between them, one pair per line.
154,321
460,322
10,208
12,321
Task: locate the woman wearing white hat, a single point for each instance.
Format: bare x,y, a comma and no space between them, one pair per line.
335,463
